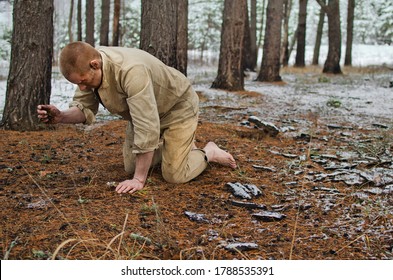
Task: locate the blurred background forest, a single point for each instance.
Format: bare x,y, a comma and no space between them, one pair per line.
235,35
373,24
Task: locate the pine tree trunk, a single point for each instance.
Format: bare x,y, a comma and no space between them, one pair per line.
104,29
116,23
70,21
318,38
230,66
284,55
29,80
159,30
332,63
350,18
79,20
182,36
90,22
253,35
301,34
270,67
247,43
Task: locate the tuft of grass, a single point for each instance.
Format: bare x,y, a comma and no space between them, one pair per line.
334,103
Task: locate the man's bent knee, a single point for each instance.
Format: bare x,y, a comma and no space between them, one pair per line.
175,178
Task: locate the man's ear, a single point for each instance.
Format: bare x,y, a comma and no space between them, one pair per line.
95,64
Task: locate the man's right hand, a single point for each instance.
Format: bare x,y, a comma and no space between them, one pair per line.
49,114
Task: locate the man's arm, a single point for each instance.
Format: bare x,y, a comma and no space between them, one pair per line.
142,166
51,115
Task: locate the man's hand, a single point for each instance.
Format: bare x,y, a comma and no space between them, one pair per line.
129,186
49,114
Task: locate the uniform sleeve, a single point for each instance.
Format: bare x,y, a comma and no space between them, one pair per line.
87,103
142,104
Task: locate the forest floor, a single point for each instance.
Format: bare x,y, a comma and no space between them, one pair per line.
323,185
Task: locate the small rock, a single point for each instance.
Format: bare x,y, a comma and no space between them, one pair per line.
289,155
322,188
253,190
234,247
248,205
266,168
200,218
41,204
336,126
380,125
212,234
304,137
239,190
269,128
269,216
246,191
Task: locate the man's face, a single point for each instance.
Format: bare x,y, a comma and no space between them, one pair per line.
87,81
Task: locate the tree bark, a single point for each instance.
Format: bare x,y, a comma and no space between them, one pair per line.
116,23
90,22
230,74
79,20
160,32
350,20
284,56
332,63
29,79
247,42
253,35
301,34
104,29
270,66
182,36
318,38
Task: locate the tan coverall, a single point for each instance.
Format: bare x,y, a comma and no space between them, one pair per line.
158,101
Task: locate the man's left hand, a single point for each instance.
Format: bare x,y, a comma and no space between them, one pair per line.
129,186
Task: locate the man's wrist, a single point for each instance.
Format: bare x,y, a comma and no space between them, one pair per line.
139,180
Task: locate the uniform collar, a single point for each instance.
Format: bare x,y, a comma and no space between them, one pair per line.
105,70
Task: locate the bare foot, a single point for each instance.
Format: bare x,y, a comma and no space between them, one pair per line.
215,154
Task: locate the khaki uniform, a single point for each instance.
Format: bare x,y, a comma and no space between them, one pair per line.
158,101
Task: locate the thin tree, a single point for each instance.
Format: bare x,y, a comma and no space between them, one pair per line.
29,79
301,34
318,38
116,23
79,20
90,22
104,28
332,63
159,30
70,21
270,66
230,74
284,56
253,35
247,60
350,20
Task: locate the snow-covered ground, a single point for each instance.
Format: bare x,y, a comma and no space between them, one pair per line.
366,95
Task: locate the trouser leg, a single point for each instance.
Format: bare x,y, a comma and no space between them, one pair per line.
180,162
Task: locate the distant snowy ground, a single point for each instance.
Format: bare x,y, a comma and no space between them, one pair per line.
366,95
